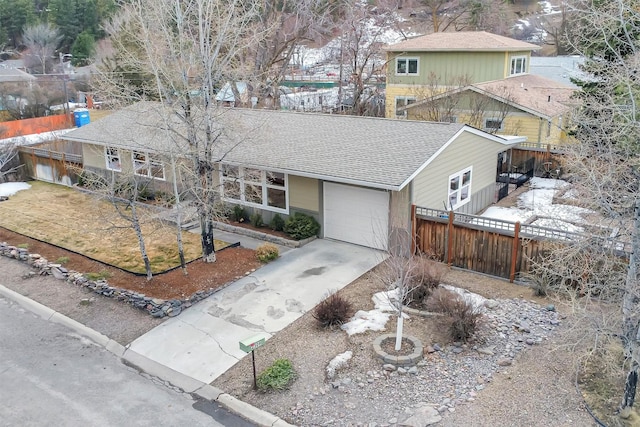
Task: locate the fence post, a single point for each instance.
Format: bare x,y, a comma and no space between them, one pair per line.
514,252
450,238
414,236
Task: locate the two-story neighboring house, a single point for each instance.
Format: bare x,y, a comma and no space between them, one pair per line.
480,79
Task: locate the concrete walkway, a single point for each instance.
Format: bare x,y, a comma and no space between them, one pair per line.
203,342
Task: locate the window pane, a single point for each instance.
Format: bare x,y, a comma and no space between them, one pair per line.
230,171
275,178
454,184
401,66
231,190
253,193
157,170
453,200
276,198
466,178
413,66
464,193
252,175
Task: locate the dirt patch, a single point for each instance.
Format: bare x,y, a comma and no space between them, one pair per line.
231,264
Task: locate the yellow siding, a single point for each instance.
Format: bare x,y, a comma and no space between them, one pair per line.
430,187
304,193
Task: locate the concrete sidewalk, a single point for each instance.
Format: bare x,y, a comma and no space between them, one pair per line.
203,342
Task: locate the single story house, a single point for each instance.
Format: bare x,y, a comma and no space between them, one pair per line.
358,176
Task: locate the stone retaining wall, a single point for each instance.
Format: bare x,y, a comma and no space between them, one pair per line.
154,306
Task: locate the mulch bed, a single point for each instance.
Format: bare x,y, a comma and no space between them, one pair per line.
231,264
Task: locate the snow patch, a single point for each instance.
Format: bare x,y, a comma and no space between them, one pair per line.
337,363
10,188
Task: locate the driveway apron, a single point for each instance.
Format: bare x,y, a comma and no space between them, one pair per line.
203,341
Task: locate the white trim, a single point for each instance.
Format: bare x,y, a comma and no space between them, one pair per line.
513,61
263,183
117,155
147,164
407,59
462,188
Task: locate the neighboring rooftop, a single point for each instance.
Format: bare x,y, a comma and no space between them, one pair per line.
12,75
382,153
461,41
558,68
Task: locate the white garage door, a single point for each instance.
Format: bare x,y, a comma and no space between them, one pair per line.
356,215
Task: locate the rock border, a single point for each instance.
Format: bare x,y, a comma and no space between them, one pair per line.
156,307
405,360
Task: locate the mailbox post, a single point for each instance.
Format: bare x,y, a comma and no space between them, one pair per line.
249,345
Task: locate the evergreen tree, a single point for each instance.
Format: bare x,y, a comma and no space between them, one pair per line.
83,49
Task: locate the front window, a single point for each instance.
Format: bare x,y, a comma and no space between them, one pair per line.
493,125
254,187
460,188
112,156
402,102
518,65
407,66
144,164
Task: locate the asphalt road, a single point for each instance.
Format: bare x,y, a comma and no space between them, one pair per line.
49,375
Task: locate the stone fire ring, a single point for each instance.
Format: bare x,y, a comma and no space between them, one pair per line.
406,360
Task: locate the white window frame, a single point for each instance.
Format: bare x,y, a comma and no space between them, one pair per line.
406,60
406,100
514,70
243,179
491,128
144,161
113,159
460,194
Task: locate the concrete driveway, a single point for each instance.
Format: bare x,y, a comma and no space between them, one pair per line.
203,341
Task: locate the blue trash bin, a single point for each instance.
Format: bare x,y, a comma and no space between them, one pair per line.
81,117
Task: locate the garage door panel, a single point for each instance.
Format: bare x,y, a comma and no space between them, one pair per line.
357,215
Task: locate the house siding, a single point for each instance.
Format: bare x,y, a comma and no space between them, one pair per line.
304,194
400,221
430,187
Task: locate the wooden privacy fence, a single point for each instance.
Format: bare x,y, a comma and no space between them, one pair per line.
491,246
36,125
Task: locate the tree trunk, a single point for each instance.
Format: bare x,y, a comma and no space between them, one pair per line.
399,332
208,251
176,194
630,387
143,248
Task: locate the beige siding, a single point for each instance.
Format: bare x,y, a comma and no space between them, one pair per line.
430,187
400,221
304,193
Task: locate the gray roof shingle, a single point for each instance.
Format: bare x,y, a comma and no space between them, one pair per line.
382,153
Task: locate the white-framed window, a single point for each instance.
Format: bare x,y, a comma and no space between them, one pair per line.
255,187
144,164
518,65
460,188
407,66
401,102
493,125
112,157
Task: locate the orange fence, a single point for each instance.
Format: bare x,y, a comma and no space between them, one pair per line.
37,125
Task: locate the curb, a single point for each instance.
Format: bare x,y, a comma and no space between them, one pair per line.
132,358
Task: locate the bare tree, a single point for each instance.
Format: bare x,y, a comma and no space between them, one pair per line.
464,15
42,41
190,49
605,162
8,160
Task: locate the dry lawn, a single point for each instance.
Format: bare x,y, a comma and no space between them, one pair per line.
82,223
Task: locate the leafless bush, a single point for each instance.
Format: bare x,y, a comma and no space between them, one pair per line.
427,276
333,311
461,317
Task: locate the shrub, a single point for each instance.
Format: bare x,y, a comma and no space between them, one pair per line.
239,214
256,220
427,277
332,311
301,226
23,246
277,223
461,317
62,260
267,252
277,376
103,274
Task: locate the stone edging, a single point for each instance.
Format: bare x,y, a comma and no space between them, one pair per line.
407,360
421,313
156,307
262,236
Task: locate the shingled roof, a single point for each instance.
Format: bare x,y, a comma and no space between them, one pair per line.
476,41
379,153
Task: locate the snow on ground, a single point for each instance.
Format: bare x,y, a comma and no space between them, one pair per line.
10,188
538,201
35,138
